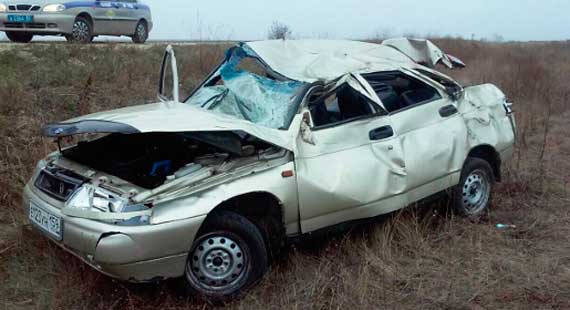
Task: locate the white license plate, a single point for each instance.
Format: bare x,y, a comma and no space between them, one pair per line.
48,222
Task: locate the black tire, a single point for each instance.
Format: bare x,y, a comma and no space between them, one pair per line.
19,37
82,31
471,197
231,248
141,33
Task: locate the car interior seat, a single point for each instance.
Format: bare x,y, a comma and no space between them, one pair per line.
390,99
415,96
351,104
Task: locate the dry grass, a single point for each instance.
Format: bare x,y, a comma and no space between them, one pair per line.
418,258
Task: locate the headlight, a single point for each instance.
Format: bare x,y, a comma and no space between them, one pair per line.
3,7
50,8
94,199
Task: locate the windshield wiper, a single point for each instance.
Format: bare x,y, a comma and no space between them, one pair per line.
217,99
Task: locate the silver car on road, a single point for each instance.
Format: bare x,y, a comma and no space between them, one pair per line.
78,21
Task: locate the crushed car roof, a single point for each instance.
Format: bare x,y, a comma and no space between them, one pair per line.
326,60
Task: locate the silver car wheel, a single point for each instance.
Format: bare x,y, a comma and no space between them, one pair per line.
81,31
141,31
217,262
476,192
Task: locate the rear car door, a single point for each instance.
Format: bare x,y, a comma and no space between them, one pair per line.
431,132
349,164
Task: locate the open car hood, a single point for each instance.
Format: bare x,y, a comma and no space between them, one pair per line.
164,117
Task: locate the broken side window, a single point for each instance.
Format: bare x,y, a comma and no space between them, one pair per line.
398,91
242,88
342,105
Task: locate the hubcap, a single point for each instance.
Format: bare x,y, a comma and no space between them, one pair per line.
141,32
80,31
217,262
475,192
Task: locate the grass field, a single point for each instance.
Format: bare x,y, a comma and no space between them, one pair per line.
418,258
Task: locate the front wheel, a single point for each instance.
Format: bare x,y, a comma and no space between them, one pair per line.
19,37
82,31
226,258
472,195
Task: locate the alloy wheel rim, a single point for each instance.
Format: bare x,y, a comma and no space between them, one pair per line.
80,31
217,262
475,192
141,32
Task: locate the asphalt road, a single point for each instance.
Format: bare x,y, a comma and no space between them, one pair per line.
102,43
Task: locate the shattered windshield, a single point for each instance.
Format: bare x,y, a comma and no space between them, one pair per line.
238,91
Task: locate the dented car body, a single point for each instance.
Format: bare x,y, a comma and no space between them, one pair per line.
333,131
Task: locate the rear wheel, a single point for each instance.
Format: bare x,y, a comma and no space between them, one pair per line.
82,31
19,37
141,33
227,258
472,195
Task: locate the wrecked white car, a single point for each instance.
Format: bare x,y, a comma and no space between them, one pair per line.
321,133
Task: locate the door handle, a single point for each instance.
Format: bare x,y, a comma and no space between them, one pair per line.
381,133
447,111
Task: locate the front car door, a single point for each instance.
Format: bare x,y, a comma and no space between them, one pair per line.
349,164
127,17
105,17
432,133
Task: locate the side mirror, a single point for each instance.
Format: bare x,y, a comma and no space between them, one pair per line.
455,93
168,85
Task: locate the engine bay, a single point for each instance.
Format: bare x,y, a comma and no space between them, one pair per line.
149,160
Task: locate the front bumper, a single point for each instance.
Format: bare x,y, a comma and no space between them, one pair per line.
43,23
131,253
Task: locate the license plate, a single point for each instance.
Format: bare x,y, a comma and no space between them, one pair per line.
46,221
20,18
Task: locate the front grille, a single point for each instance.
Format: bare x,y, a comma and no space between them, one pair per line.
35,25
24,7
13,25
27,25
58,183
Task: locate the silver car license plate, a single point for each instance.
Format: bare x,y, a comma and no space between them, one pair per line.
48,222
26,19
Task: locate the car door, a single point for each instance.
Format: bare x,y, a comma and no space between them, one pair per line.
127,16
348,160
105,19
431,132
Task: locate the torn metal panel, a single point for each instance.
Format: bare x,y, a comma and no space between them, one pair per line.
424,52
484,110
325,60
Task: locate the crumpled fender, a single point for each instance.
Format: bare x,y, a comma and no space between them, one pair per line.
483,109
